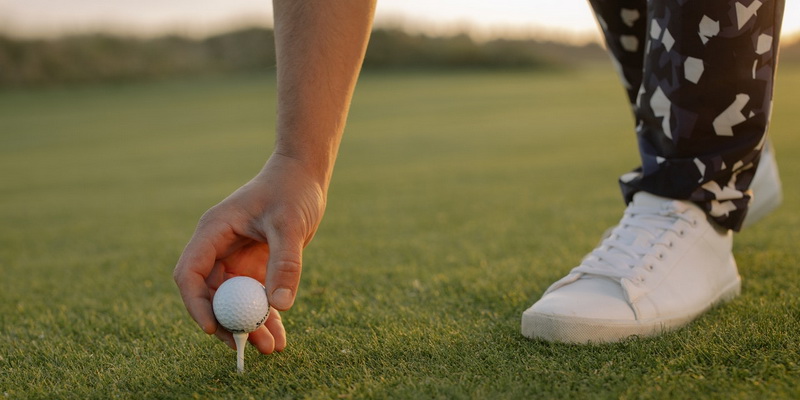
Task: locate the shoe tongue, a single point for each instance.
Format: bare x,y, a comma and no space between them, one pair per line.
643,240
645,199
634,238
651,201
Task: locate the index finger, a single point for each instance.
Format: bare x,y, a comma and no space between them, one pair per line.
190,274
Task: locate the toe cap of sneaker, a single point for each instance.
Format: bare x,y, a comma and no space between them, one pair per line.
574,312
588,297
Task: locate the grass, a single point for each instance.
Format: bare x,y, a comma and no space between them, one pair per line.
458,198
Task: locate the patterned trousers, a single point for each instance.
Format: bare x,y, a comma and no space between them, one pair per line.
699,75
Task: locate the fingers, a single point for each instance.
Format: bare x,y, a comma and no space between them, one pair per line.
226,337
274,325
283,270
197,271
190,275
271,336
268,338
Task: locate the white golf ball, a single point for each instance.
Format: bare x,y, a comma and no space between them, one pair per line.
240,304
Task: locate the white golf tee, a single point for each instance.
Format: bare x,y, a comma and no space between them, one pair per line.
241,342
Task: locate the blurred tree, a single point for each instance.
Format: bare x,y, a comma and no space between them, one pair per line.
106,58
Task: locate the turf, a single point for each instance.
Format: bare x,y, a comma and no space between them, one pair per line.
458,198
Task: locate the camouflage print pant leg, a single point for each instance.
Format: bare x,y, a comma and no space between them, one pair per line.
704,94
624,24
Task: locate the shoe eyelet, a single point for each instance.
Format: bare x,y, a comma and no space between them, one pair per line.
670,244
681,233
660,256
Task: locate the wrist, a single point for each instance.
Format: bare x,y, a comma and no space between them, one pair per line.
318,166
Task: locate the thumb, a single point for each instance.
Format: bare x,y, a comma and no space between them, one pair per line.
283,271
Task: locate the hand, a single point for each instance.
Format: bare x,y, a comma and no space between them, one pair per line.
259,231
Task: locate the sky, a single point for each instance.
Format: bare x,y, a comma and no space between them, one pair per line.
569,20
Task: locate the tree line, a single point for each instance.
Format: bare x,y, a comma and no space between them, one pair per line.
110,58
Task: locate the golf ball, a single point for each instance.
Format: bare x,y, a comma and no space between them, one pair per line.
240,304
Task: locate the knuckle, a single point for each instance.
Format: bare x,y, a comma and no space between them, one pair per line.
288,265
208,218
177,275
286,273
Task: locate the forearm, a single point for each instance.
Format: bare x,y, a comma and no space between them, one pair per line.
320,45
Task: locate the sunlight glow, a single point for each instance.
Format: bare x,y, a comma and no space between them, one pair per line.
569,20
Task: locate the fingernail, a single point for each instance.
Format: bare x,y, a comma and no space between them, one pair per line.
282,298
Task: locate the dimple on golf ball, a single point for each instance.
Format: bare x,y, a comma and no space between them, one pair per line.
240,304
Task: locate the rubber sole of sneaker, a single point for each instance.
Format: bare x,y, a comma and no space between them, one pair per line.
568,329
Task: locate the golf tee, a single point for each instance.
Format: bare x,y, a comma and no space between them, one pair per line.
241,342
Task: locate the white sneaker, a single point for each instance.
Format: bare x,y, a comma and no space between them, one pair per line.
663,266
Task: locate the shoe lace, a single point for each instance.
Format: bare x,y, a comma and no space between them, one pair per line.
638,242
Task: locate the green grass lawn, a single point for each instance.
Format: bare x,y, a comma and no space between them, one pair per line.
458,198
